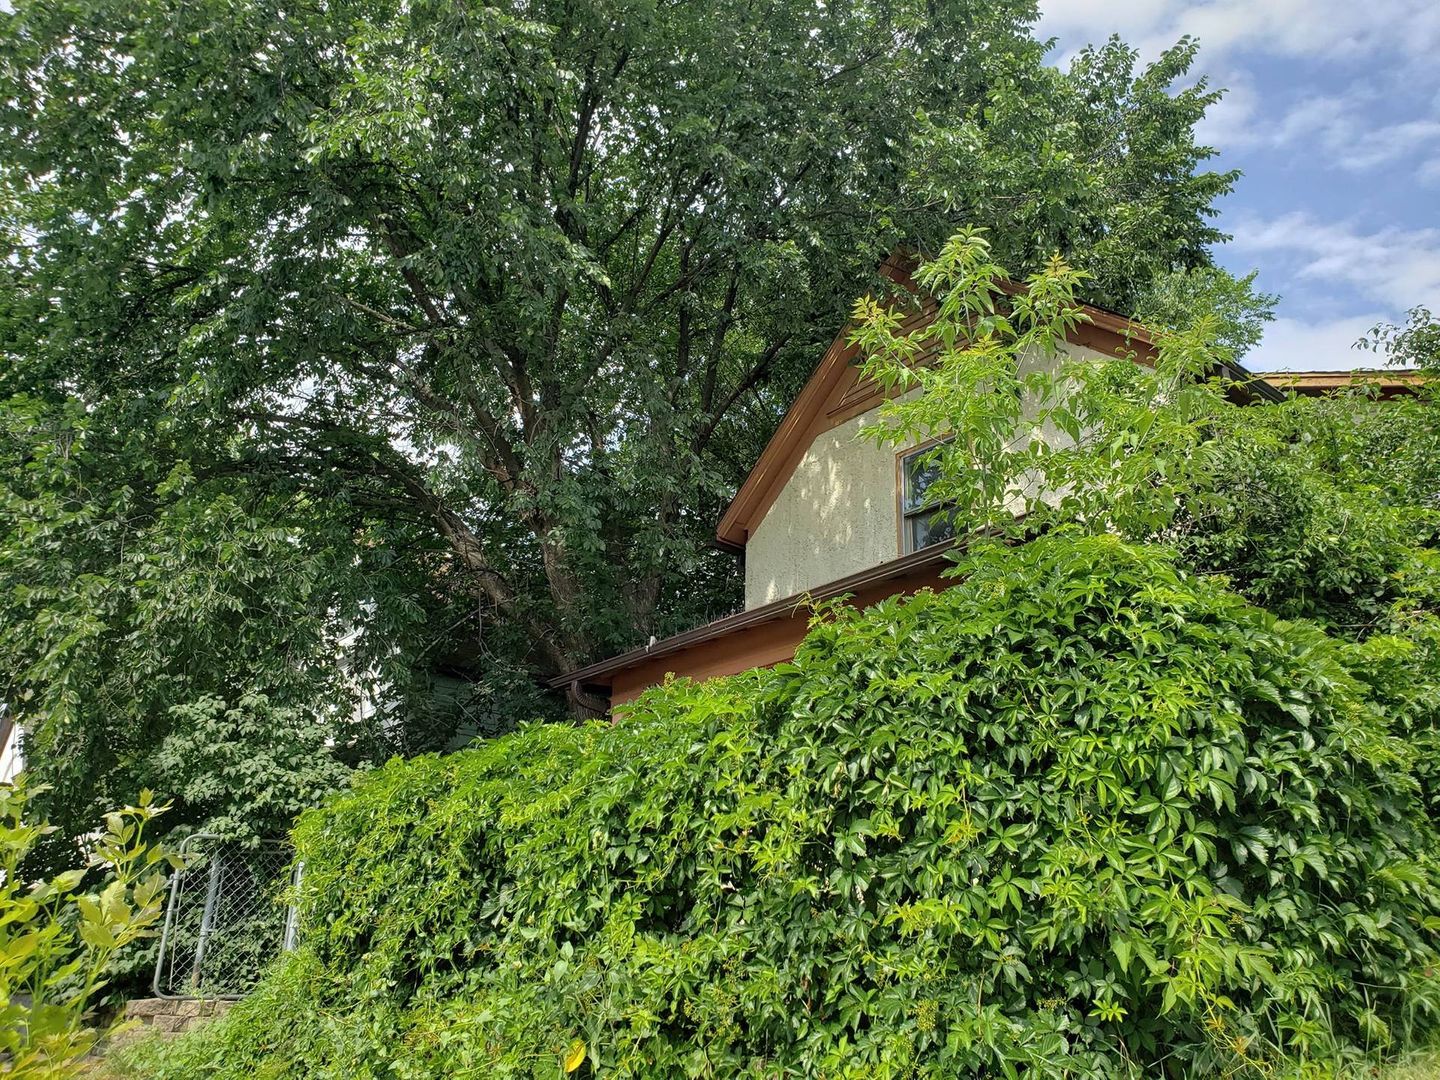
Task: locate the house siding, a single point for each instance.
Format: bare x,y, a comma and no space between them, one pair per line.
836,514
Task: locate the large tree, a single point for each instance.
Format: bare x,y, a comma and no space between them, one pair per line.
455,325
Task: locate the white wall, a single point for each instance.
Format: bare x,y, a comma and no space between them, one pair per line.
836,514
10,760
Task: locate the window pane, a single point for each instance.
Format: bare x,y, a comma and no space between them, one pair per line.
924,529
925,523
919,475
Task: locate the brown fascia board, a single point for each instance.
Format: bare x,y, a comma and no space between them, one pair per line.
1389,381
732,531
895,568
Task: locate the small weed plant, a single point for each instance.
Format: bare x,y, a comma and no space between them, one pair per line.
58,941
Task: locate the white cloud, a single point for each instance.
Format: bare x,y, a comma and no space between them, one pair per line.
1235,119
1380,146
1392,268
1397,267
1332,29
1345,130
1327,345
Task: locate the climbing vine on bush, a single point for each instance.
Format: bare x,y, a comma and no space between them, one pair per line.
1084,814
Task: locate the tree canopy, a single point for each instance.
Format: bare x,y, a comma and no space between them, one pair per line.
446,330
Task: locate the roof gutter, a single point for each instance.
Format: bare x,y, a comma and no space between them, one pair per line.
786,608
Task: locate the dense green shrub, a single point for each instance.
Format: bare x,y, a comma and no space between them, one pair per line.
1082,815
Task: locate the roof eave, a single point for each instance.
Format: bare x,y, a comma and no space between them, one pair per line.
786,607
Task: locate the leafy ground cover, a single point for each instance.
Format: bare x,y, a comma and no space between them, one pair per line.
1085,814
1419,1067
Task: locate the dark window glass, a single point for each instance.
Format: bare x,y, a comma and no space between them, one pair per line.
926,521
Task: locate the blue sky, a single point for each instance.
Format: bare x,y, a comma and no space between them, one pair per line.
1333,113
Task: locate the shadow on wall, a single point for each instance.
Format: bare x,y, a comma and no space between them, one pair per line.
835,516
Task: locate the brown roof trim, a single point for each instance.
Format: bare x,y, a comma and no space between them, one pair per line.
1390,382
733,528
895,568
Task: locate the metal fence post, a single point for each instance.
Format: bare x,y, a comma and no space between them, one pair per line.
292,914
177,882
207,921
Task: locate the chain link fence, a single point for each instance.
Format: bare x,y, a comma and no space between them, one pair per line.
228,915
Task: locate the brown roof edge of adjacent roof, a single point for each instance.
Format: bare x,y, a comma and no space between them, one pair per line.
1393,380
895,568
1359,372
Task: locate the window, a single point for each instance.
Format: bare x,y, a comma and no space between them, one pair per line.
924,522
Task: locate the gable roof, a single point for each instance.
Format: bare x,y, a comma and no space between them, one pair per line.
837,392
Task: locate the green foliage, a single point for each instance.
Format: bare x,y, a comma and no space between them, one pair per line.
1324,509
133,596
452,713
1041,164
1177,300
249,770
1416,344
1084,814
446,330
528,283
57,942
1039,435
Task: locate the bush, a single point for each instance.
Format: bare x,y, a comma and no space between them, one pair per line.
58,943
1082,815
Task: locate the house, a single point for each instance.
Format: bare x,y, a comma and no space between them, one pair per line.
824,513
1392,383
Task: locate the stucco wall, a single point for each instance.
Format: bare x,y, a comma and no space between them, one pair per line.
836,515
